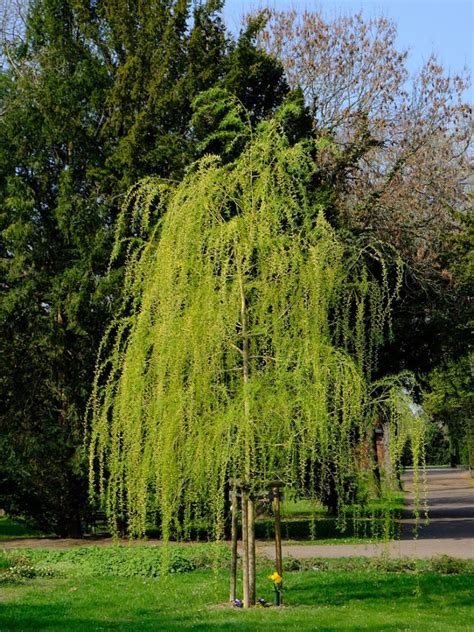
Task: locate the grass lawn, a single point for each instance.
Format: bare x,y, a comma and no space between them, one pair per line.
303,521
332,599
301,507
10,528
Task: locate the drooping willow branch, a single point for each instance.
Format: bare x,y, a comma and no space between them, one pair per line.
245,343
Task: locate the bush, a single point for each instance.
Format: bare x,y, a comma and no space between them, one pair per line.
444,565
15,569
447,565
147,561
292,564
390,565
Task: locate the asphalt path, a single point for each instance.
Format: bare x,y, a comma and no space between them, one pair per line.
449,530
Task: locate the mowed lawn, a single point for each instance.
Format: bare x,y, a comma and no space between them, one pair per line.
315,600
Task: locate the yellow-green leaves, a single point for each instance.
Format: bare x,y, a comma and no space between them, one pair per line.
246,349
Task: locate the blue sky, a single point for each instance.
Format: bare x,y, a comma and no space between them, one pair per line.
445,27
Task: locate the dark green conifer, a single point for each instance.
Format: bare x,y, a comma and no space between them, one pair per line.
97,96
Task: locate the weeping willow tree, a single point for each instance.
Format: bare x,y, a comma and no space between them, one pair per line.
245,344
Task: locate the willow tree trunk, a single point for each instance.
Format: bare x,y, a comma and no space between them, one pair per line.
248,508
376,468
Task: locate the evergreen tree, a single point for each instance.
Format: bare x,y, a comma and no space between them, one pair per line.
96,96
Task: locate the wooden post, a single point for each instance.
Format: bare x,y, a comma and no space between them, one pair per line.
377,464
251,545
245,546
278,555
233,559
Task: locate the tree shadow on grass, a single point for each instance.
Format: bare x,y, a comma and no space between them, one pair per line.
42,617
346,588
335,603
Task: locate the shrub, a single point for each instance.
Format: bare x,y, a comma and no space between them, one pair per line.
14,569
447,565
292,564
389,565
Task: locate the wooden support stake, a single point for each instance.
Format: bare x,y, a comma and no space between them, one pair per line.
278,554
245,546
233,559
252,561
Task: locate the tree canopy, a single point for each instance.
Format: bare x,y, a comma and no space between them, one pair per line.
245,344
97,95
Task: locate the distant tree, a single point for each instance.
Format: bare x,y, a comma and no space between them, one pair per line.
396,160
451,403
401,140
450,385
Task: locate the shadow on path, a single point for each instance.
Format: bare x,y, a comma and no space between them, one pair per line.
450,495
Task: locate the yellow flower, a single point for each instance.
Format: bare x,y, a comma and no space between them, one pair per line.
275,577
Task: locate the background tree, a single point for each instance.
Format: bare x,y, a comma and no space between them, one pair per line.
397,155
450,384
450,402
93,95
407,135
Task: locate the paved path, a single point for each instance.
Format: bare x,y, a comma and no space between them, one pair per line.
450,530
451,506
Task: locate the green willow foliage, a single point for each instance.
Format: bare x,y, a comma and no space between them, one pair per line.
245,343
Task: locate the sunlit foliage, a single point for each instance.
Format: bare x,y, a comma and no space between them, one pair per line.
245,343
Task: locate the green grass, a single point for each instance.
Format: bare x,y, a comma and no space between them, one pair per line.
337,595
10,528
329,600
302,507
303,521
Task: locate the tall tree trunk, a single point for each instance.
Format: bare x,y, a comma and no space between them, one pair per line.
276,511
278,554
